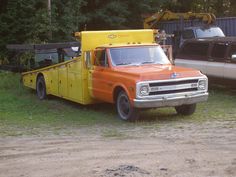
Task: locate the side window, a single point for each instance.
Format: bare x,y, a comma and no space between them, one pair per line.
218,51
195,51
101,58
188,34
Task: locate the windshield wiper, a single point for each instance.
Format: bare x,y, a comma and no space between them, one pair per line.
118,64
147,62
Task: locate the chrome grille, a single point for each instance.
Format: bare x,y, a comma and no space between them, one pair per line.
169,87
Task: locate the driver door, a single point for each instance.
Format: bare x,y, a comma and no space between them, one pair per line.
99,76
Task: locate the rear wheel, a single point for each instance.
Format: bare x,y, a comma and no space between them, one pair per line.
124,109
186,109
41,88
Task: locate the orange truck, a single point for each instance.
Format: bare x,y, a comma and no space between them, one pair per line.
123,67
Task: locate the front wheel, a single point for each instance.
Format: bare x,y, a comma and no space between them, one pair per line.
186,109
41,88
124,109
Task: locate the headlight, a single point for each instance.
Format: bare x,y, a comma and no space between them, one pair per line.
202,84
144,90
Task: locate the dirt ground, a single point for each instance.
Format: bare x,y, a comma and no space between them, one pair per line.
184,150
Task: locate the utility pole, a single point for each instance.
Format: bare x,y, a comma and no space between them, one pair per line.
50,19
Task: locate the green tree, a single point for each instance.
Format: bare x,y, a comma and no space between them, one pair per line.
104,14
27,21
232,7
66,18
141,9
23,21
177,5
218,7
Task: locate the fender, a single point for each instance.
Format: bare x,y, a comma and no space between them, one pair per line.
127,90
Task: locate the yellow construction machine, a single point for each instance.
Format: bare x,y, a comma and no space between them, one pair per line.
179,32
154,19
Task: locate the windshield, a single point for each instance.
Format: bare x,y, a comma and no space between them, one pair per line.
138,55
210,32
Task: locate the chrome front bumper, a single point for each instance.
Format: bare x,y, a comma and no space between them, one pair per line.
170,100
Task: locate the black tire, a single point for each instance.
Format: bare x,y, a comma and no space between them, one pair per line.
186,109
41,88
124,109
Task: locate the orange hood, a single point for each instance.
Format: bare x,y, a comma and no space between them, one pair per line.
158,72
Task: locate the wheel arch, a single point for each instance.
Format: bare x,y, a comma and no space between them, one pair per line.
133,113
38,75
45,75
117,90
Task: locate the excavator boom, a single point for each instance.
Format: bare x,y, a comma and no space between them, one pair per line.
152,21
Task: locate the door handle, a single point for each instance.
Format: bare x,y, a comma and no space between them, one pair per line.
210,59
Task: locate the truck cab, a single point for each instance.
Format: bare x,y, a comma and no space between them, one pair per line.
123,67
196,32
200,32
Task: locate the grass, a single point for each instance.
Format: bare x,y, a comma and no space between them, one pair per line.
20,109
21,113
